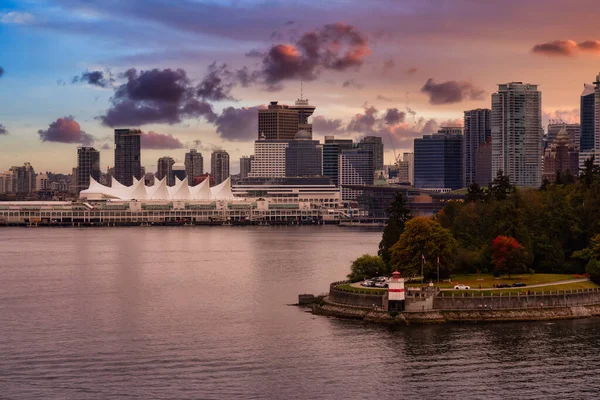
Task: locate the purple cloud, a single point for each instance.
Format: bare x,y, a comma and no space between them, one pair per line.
451,91
65,130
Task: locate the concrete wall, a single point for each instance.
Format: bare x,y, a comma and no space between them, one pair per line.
581,297
352,298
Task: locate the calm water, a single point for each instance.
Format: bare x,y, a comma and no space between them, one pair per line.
201,313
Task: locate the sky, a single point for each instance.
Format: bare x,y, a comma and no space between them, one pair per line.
192,73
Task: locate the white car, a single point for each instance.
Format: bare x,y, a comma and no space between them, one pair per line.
462,287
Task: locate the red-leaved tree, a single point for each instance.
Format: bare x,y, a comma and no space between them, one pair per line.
508,255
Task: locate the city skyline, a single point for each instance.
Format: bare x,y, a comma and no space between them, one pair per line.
387,79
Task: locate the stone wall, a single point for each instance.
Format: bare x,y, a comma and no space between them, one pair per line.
353,298
472,301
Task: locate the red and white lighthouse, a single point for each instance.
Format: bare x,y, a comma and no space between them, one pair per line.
396,292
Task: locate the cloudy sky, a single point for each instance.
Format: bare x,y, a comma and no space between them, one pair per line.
192,73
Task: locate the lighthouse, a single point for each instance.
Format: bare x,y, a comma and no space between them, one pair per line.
396,292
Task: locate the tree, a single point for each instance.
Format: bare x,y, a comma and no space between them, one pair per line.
475,193
508,255
398,215
588,172
500,188
365,267
593,270
424,238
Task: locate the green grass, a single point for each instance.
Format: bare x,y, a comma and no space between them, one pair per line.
488,280
551,288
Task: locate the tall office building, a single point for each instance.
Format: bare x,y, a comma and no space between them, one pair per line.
439,160
573,133
164,168
88,165
23,179
331,151
278,122
179,171
477,130
219,165
561,156
597,119
517,133
374,144
303,156
194,165
355,168
587,112
127,156
269,159
304,111
245,166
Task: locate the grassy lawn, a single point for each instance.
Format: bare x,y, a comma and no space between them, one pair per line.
488,281
553,288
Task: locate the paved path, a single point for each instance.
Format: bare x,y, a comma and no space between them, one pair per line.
357,285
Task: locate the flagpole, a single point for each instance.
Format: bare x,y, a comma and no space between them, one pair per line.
422,266
438,270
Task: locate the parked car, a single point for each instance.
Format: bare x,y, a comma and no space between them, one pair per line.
502,285
519,284
462,287
381,284
367,283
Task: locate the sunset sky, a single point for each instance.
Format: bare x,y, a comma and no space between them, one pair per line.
192,73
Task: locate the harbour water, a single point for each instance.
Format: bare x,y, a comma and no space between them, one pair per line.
201,313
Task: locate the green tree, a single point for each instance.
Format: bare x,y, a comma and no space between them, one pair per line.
475,193
589,172
593,270
508,255
424,238
500,188
365,267
398,215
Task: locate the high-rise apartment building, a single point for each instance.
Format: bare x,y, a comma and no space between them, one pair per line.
303,156
374,144
6,182
245,166
438,160
42,182
355,168
278,122
269,159
88,165
127,156
331,151
164,168
194,165
597,119
477,128
573,133
219,165
23,179
517,133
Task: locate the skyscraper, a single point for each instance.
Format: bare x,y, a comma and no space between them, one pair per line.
179,171
194,165
561,156
587,112
278,122
245,166
127,155
438,160
483,164
23,179
331,151
304,110
410,159
355,168
597,119
303,156
269,158
477,130
374,144
88,165
517,133
164,168
573,133
219,165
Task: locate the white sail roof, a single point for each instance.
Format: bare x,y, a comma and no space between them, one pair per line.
158,191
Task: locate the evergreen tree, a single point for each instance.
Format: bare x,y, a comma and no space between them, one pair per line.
588,172
398,215
475,193
500,188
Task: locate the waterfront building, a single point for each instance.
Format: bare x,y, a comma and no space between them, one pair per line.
194,164
573,133
396,293
278,122
375,145
438,160
303,156
355,168
219,165
331,152
165,170
483,164
88,165
517,133
245,166
269,158
127,155
561,156
477,130
179,171
23,178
